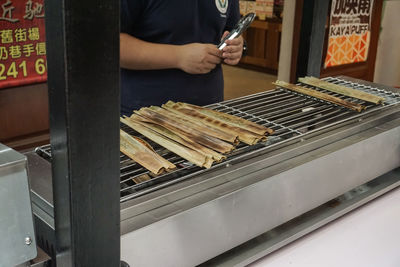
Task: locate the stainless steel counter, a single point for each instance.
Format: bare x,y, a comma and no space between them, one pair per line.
17,242
323,153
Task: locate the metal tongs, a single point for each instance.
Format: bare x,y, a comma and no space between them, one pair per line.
240,27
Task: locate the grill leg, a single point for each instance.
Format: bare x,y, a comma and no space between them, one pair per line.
83,79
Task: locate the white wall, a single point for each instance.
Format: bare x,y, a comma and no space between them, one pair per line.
387,69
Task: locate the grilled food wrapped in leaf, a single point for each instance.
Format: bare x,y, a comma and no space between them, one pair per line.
141,152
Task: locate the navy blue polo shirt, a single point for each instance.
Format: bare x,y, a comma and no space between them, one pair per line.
174,22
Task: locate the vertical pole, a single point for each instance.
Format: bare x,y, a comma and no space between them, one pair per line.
83,80
312,34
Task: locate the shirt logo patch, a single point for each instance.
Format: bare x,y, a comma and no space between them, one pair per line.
222,5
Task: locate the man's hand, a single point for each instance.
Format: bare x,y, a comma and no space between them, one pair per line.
233,50
198,58
194,58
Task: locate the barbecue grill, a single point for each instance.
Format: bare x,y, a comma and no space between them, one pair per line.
263,196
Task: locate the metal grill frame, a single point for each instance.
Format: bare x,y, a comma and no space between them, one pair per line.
306,115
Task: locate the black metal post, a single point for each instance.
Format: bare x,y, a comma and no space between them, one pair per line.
83,79
312,34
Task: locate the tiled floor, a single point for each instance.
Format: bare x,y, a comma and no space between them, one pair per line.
240,82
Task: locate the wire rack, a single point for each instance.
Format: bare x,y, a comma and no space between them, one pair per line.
288,113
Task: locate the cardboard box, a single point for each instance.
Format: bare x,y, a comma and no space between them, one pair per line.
243,7
251,7
264,9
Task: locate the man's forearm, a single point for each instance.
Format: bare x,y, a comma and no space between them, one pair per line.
140,55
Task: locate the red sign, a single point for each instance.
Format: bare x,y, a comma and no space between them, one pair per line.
22,43
349,32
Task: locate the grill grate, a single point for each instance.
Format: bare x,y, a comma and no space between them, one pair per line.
288,113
